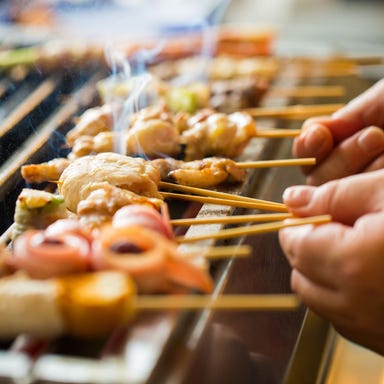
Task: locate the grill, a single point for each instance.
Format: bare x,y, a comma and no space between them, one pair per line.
37,109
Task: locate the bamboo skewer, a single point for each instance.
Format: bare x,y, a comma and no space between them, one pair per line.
232,203
216,194
256,229
277,133
294,111
276,163
307,91
261,302
219,252
232,219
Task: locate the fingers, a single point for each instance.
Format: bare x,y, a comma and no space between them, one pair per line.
315,141
314,251
351,156
365,110
345,199
322,300
346,142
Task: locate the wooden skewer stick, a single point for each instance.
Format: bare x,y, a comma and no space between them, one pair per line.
277,133
232,219
276,163
256,229
294,111
261,302
307,91
232,203
211,193
219,252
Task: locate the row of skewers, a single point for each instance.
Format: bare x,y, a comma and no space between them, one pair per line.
99,246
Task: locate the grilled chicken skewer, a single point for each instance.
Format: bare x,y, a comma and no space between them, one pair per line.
156,132
205,173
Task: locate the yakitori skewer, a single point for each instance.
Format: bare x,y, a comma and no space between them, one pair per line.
232,203
256,229
294,111
307,91
277,133
262,217
276,163
269,302
219,252
212,193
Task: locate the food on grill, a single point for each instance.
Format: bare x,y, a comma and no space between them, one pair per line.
37,209
218,134
149,258
156,132
48,171
218,67
91,122
225,95
236,94
45,255
204,173
58,55
146,217
138,241
83,305
152,131
109,181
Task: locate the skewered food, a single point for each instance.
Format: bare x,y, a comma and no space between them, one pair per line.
141,247
91,122
156,132
208,172
219,67
153,132
218,135
48,171
149,258
100,177
45,255
204,173
84,305
37,209
54,55
144,216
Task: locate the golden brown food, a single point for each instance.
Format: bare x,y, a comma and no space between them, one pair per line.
82,305
104,199
133,174
49,171
218,135
204,173
91,122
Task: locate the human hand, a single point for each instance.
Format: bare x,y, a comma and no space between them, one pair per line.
348,142
338,268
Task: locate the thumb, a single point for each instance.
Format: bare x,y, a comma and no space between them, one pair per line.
345,199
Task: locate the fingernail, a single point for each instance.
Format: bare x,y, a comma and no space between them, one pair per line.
297,196
371,140
314,139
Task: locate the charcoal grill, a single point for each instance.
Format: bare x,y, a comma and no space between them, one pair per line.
37,109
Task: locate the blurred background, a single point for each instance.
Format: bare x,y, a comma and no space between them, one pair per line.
309,26
325,26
